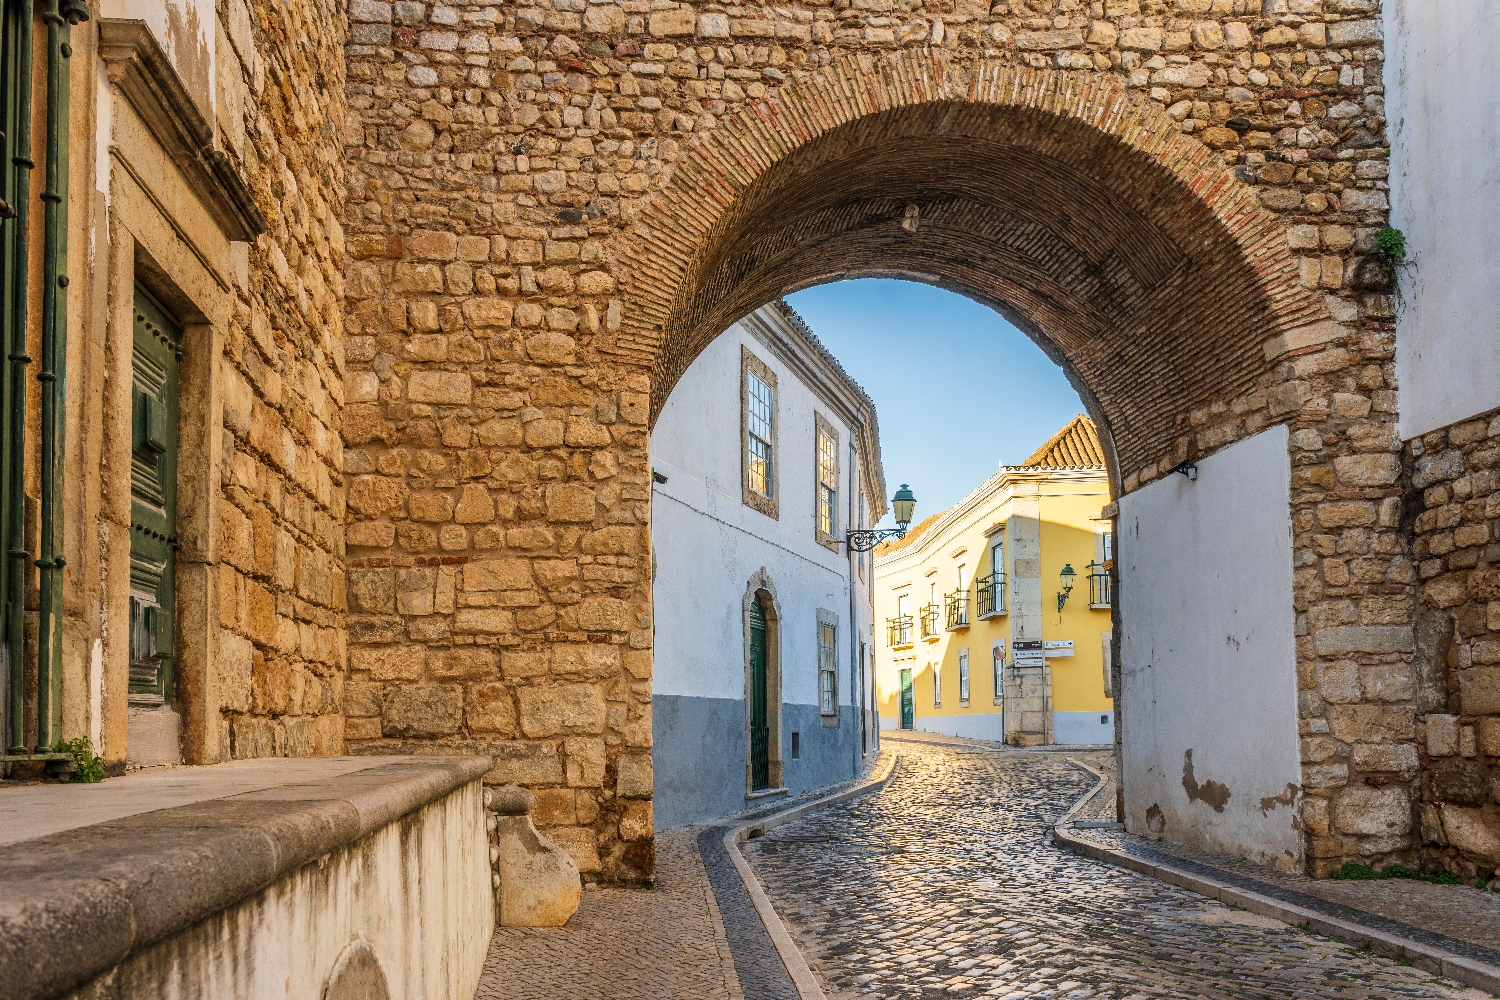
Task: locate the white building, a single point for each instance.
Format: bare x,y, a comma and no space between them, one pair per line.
765,453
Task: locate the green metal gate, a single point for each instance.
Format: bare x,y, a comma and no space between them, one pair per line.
153,499
760,730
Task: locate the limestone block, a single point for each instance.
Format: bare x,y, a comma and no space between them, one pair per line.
552,348
539,881
604,614
1140,39
236,655
1397,757
554,807
1432,824
1475,830
564,709
1368,811
1479,690
570,503
592,660
488,709
1488,731
633,776
491,621
1367,470
1442,735
1046,41
452,388
429,710
1363,639
585,762
461,664
497,574
636,823
524,763
581,844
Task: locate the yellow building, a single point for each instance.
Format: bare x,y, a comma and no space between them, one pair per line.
996,612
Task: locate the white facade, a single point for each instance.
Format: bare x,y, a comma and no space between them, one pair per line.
716,545
1208,656
1442,72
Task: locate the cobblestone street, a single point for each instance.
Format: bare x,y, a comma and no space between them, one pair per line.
947,883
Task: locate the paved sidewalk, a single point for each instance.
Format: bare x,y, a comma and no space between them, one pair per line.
1458,918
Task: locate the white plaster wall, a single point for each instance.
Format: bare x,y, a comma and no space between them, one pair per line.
1442,72
418,890
708,543
185,29
1208,654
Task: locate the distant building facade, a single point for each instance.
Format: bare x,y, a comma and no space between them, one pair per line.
981,637
765,453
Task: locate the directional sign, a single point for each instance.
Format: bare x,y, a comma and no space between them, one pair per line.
1020,644
1059,647
1030,661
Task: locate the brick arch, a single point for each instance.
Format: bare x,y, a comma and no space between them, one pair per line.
1124,247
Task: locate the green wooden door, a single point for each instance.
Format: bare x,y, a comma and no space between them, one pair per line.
153,500
908,702
760,730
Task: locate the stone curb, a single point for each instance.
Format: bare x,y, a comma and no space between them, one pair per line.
77,903
791,956
1465,970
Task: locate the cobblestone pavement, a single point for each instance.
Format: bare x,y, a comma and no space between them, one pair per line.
946,884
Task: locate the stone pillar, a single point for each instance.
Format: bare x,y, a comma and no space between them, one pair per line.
536,882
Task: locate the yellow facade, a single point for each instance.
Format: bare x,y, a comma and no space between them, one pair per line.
1033,519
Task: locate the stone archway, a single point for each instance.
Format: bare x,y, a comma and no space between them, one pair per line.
1158,270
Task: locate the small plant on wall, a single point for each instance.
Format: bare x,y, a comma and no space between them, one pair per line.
1376,270
1390,249
89,765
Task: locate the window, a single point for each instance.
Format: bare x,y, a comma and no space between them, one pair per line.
859,512
827,677
1107,540
826,479
989,591
937,684
758,430
997,656
758,423
963,676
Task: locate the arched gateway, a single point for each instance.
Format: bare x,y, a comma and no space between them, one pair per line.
1198,323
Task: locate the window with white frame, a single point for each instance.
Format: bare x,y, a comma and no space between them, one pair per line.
759,420
937,684
963,676
828,703
827,499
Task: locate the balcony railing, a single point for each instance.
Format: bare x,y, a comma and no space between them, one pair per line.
989,595
930,614
1099,589
956,609
898,631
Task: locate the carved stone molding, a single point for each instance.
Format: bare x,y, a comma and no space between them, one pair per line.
141,71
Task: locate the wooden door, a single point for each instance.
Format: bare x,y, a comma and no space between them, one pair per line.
153,500
760,730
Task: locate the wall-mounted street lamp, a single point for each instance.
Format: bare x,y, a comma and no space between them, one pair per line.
865,539
1187,468
1065,580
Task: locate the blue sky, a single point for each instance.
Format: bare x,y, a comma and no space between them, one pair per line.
958,390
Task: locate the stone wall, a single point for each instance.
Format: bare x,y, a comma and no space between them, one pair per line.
280,104
1455,511
552,207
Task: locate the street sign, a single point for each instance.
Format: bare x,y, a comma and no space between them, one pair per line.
1059,647
1020,644
1030,661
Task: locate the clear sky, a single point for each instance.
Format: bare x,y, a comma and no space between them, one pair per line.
958,390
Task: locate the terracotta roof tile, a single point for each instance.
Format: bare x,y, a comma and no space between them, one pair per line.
1076,446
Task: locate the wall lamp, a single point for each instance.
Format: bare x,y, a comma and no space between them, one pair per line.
1187,468
1065,580
865,539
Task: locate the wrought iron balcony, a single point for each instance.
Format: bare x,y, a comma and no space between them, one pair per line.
989,595
1099,587
930,614
956,609
898,631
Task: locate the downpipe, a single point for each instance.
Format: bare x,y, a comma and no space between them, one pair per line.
60,16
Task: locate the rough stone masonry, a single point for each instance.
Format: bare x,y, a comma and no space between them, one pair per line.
552,207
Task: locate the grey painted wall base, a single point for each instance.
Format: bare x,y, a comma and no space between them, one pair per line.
698,755
1094,728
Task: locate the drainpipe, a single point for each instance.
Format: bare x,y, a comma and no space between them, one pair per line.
17,188
853,629
60,15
